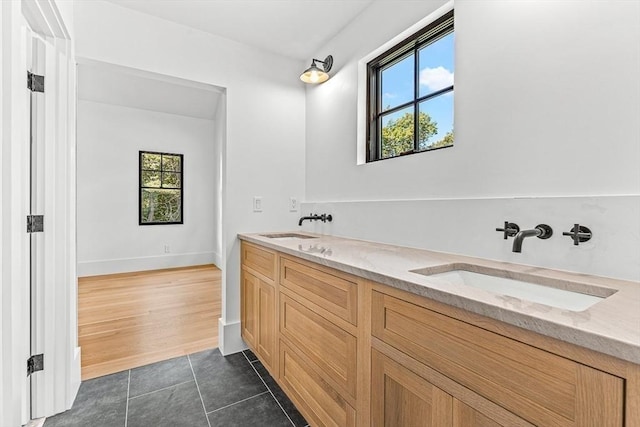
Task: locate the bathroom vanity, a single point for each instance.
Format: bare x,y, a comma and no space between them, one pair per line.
366,334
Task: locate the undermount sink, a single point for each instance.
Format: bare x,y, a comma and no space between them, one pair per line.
283,236
571,296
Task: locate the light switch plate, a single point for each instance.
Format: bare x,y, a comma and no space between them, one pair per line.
257,203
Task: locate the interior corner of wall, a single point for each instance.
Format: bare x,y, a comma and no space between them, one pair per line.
218,260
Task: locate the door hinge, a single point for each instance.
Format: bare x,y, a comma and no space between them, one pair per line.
35,83
35,223
35,363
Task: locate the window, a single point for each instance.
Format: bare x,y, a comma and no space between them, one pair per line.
414,79
161,181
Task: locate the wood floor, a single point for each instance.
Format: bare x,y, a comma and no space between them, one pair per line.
133,319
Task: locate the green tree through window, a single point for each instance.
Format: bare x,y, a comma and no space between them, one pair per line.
161,182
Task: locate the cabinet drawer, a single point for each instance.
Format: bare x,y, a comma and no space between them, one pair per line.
542,388
259,260
330,289
329,346
317,400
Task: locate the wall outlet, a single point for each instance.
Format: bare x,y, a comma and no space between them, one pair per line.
167,249
257,203
293,204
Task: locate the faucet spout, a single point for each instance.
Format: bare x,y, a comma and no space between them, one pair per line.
310,218
542,231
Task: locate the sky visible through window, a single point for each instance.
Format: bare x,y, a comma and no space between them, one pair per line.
436,72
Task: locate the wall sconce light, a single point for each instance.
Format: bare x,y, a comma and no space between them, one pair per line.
316,75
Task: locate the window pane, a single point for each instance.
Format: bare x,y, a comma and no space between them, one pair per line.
436,65
150,179
171,180
161,206
397,83
396,134
151,161
171,163
436,122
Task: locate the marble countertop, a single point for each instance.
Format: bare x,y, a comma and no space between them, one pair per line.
611,326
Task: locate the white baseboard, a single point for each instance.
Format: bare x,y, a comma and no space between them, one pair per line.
217,260
76,376
36,423
127,265
229,339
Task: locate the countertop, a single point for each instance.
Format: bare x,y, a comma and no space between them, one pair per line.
611,326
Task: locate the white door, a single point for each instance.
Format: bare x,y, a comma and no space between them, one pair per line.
37,175
52,258
36,66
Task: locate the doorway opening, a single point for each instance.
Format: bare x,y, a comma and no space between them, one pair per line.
147,292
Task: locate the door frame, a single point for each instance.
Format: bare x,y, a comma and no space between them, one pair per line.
54,389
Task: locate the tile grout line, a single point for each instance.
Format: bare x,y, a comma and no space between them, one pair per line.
199,394
268,388
126,409
239,401
160,389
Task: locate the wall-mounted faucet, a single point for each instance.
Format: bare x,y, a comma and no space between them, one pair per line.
542,231
315,217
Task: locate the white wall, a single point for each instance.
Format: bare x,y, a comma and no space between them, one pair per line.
219,146
109,237
547,100
264,153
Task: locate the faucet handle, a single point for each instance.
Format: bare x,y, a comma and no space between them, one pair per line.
510,229
579,234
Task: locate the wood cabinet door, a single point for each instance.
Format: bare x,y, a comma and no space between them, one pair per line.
266,315
258,316
400,398
249,285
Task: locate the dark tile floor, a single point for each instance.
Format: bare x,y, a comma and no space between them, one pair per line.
203,389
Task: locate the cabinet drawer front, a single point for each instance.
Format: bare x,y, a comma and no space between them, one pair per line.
330,289
541,387
333,349
466,416
259,259
317,400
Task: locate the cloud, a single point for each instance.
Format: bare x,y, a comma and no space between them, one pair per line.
436,78
389,95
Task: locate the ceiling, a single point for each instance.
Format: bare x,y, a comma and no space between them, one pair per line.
292,28
111,84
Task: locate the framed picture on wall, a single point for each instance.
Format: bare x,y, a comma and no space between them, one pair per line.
161,188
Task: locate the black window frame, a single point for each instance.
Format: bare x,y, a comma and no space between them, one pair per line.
141,187
436,30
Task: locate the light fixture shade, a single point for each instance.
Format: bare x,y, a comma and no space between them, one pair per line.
314,74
